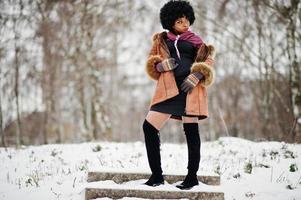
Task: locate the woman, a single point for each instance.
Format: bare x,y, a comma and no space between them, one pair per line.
181,64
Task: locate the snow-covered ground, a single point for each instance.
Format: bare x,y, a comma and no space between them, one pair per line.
249,170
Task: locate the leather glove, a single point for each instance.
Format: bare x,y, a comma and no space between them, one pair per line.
166,65
191,81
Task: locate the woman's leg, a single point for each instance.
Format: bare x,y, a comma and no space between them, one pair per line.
157,119
151,126
191,129
189,119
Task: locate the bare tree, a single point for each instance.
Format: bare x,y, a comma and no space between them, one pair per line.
289,14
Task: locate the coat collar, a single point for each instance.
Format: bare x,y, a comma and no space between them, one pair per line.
203,52
159,38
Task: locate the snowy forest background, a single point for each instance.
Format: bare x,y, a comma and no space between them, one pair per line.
73,71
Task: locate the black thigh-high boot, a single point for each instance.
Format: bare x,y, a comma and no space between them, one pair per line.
152,143
194,155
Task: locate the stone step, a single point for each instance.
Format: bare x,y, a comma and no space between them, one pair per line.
125,177
154,193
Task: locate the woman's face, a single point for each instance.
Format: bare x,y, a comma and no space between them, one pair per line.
181,25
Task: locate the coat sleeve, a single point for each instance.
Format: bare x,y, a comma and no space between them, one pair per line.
153,58
204,64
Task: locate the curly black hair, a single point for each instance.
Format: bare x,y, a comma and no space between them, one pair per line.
174,9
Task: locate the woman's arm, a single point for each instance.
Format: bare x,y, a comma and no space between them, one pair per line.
204,64
153,59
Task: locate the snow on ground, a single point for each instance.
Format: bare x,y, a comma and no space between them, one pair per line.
249,170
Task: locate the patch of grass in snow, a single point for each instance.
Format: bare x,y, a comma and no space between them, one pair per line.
293,167
54,152
218,170
248,167
264,153
62,161
250,194
289,154
9,156
263,165
83,165
97,148
274,154
220,142
237,175
291,187
233,152
33,179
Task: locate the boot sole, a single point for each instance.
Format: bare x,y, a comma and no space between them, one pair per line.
154,185
182,187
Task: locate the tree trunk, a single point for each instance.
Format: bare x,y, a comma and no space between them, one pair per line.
1,121
294,80
16,90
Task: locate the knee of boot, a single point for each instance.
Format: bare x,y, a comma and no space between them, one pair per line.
148,127
190,128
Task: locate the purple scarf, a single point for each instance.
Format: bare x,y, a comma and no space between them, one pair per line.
188,36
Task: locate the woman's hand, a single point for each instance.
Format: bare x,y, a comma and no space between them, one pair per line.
191,81
166,65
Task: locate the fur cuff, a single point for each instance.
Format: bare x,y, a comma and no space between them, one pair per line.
206,70
151,66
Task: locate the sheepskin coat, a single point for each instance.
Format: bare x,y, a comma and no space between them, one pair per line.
197,99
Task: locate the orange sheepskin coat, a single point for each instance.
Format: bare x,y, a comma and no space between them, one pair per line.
197,99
